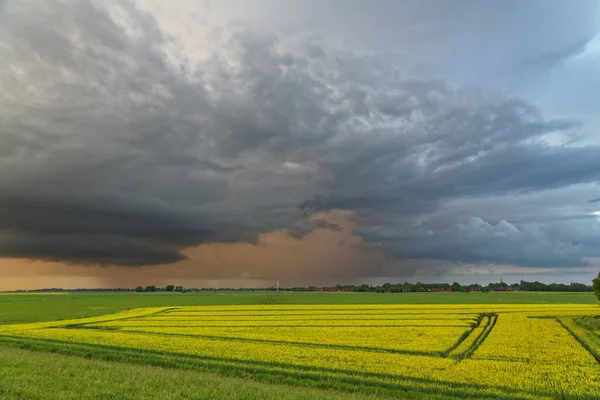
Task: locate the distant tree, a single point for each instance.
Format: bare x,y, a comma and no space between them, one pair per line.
577,287
597,286
407,287
139,289
169,288
474,287
151,288
456,287
534,286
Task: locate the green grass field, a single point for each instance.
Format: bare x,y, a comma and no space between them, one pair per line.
38,375
92,358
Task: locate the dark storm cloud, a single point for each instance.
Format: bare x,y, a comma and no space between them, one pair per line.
88,249
112,151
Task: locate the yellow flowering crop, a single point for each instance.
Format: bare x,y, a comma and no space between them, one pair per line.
502,351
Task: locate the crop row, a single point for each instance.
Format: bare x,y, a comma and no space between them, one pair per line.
365,323
423,340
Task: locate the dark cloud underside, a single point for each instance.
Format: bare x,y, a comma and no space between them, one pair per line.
115,150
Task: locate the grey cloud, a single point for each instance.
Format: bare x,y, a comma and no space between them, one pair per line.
111,152
324,224
468,39
557,56
480,241
550,228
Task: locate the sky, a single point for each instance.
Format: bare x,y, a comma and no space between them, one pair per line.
238,143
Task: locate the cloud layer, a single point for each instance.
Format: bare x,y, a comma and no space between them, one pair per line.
116,148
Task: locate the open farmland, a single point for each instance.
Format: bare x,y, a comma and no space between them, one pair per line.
464,351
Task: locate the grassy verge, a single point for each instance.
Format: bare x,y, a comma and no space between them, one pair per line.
32,375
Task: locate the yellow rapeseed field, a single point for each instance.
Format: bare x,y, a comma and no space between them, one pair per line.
502,351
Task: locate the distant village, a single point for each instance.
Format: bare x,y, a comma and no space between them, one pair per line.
454,287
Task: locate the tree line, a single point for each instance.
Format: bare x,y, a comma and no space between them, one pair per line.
168,288
452,287
383,288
